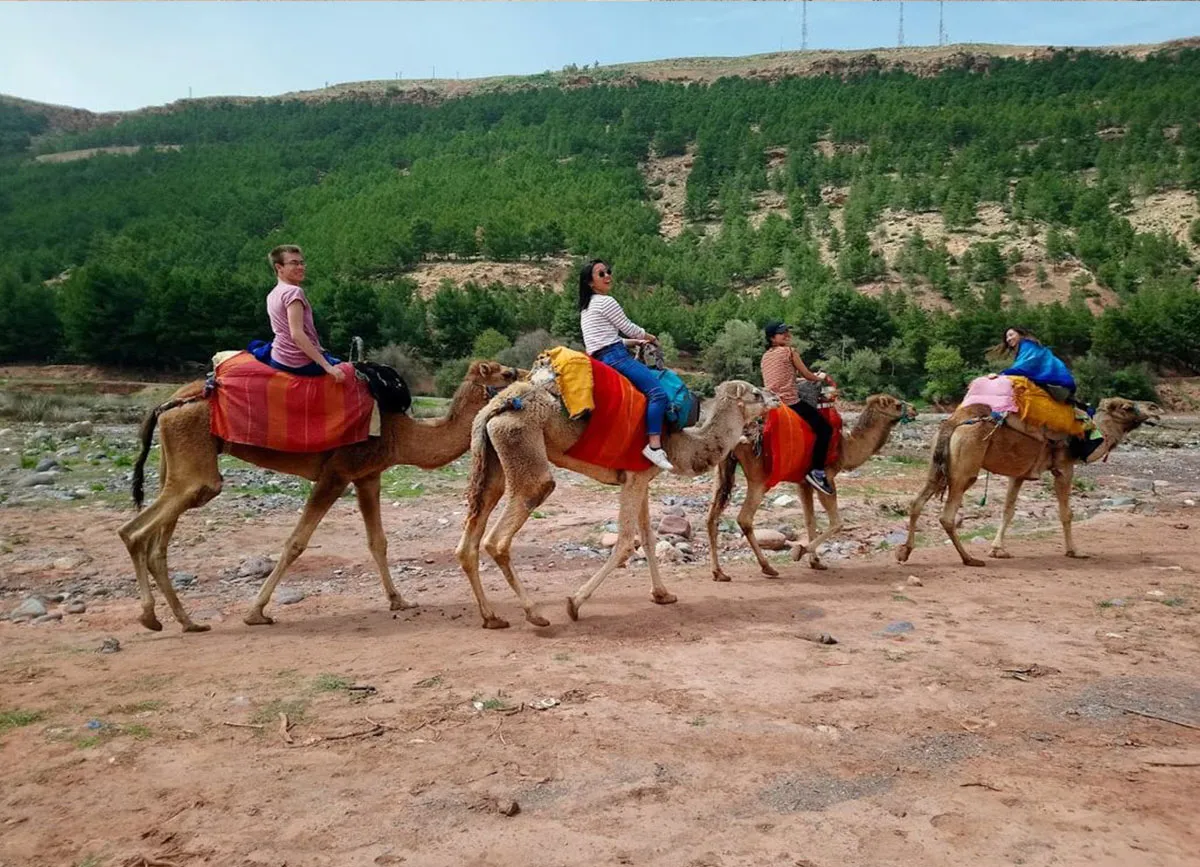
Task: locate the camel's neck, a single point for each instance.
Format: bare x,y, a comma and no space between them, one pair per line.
867,437
696,450
434,442
1114,434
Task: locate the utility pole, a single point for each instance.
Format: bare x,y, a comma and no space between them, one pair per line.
900,36
941,22
804,25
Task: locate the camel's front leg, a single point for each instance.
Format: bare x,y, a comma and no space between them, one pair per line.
324,494
1010,508
1062,489
722,485
367,491
659,592
523,500
830,505
478,511
631,494
954,498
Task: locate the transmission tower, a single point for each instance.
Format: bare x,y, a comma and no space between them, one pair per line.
900,35
941,22
804,25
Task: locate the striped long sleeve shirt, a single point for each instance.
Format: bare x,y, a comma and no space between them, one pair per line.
603,322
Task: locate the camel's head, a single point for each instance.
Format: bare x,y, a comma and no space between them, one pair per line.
751,400
1129,414
492,373
892,407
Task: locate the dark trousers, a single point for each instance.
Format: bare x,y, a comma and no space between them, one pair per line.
820,427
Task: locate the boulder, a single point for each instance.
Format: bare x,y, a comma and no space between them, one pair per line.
674,525
772,540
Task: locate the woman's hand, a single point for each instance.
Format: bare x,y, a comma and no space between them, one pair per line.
649,338
338,374
821,375
993,375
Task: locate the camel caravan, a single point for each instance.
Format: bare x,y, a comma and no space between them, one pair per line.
612,412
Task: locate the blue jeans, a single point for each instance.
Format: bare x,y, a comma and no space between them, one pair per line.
262,351
617,357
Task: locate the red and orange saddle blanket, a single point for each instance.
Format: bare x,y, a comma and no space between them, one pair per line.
787,444
254,404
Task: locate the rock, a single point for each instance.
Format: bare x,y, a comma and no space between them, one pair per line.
684,548
49,617
772,540
665,551
78,429
508,808
109,645
896,537
913,581
675,511
76,606
1118,502
673,525
1189,502
1160,487
785,500
45,465
255,567
608,540
34,480
70,561
6,432
898,627
1139,484
789,533
69,451
179,580
30,608
289,596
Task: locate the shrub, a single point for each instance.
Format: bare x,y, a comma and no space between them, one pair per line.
527,348
405,361
735,352
489,344
944,364
450,376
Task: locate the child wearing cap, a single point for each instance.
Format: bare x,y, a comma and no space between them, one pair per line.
780,364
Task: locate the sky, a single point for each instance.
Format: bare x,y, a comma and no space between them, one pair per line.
125,55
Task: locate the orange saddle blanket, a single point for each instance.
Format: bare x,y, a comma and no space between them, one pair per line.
616,430
787,444
254,404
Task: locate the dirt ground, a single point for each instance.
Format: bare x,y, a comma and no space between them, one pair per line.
965,716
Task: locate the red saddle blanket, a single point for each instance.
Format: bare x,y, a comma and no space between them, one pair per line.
257,405
787,444
616,430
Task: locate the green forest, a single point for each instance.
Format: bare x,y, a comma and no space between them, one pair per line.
159,258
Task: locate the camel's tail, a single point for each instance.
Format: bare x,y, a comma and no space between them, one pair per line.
483,453
725,478
149,423
939,466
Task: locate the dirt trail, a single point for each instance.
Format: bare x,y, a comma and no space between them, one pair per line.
702,734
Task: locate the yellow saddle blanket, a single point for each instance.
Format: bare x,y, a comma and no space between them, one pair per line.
573,370
1037,409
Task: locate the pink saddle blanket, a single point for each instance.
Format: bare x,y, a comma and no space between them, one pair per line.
994,393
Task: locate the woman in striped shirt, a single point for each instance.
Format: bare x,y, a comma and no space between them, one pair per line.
602,322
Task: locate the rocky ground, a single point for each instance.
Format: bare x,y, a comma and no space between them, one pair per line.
1038,711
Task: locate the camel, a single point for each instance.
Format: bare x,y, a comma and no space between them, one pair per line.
970,441
524,430
871,431
190,477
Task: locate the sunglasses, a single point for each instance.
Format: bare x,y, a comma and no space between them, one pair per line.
604,273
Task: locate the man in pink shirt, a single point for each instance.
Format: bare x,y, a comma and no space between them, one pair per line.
296,347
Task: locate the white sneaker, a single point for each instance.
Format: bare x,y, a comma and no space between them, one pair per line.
657,457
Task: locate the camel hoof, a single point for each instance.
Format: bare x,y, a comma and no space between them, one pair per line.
798,553
400,605
902,553
536,619
257,618
150,622
1075,555
662,597
721,576
972,561
572,608
999,554
816,564
495,622
197,627
770,571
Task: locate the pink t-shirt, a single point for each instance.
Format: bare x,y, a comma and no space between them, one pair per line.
284,349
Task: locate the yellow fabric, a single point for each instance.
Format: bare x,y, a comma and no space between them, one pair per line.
574,372
1039,409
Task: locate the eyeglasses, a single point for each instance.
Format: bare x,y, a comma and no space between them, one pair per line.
293,262
604,273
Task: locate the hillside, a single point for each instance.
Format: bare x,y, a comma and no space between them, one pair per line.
899,206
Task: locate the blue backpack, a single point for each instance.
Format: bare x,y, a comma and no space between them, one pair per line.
683,409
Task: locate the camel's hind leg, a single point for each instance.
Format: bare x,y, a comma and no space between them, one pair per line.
633,493
1010,508
755,492
499,541
722,484
932,486
367,491
954,498
659,592
324,494
147,535
468,546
